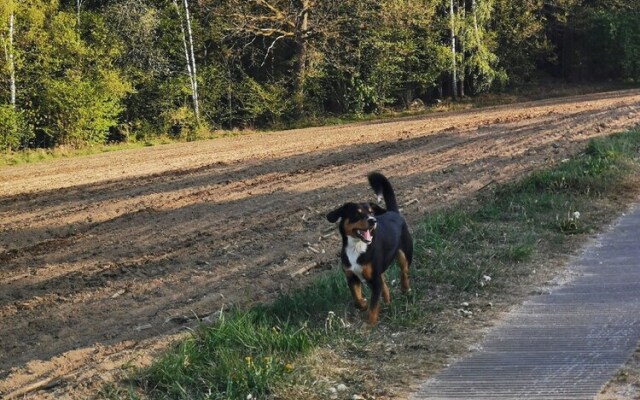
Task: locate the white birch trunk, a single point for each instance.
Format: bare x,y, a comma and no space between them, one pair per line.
475,21
193,62
462,44
12,66
186,54
78,5
454,84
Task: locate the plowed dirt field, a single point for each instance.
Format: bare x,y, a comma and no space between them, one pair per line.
103,257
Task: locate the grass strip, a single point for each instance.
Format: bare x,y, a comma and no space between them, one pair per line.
486,248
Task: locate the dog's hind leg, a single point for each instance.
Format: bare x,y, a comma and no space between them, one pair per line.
385,291
407,244
403,264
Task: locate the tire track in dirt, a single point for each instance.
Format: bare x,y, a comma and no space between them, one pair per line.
121,247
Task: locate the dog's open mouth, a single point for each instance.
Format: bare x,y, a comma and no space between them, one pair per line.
365,235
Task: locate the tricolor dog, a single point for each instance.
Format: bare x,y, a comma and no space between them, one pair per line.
372,238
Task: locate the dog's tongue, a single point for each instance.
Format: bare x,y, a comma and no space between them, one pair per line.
366,235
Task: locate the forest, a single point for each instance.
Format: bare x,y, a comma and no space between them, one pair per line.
79,72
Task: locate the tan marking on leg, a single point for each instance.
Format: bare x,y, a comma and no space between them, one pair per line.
385,292
356,290
367,271
372,314
356,293
401,259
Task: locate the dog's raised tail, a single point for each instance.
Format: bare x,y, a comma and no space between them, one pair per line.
381,186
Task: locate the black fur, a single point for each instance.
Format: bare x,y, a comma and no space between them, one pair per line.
382,188
390,240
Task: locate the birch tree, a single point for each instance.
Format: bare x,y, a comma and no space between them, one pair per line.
189,55
78,6
463,43
7,39
454,84
12,64
9,114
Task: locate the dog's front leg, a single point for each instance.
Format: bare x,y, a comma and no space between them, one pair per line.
356,290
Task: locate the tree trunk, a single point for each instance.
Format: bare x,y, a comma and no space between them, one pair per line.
454,83
462,48
301,55
475,21
12,66
190,63
229,96
193,63
78,5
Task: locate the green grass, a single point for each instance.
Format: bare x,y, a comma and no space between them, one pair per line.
461,247
39,155
486,247
245,352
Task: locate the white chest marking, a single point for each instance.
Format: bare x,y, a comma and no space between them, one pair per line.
354,248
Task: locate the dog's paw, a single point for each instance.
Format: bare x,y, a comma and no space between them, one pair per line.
361,305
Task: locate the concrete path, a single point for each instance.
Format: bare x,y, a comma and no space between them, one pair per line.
565,344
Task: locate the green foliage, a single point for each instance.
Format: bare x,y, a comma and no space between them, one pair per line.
607,44
14,133
67,89
521,42
123,68
79,110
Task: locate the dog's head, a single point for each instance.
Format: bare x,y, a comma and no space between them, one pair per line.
357,220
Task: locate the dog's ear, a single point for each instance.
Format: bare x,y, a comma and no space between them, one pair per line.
377,210
336,214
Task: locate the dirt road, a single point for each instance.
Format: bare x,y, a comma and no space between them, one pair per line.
102,257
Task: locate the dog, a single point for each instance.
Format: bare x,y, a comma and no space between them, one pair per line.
372,238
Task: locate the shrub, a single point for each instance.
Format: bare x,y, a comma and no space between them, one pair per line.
14,132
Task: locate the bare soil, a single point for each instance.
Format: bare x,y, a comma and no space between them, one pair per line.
103,259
